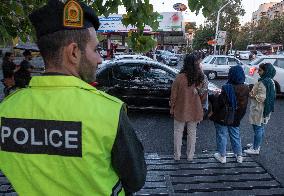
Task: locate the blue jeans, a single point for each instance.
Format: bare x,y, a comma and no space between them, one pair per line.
221,139
258,135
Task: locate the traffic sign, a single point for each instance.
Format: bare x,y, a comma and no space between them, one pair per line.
211,42
221,38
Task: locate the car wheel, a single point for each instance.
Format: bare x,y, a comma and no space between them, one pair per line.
212,75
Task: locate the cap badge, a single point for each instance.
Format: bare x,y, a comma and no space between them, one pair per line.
73,14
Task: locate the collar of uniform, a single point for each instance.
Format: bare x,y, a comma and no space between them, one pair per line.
59,81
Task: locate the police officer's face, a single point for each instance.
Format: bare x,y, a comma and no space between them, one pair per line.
90,58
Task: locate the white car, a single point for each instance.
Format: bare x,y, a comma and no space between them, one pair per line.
218,65
276,60
245,55
128,56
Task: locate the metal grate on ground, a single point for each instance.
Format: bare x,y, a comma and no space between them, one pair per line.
202,176
205,176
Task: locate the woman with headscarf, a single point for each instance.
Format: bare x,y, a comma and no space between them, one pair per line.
262,104
186,104
234,94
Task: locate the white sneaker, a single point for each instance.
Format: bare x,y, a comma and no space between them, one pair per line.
219,158
239,158
249,145
252,151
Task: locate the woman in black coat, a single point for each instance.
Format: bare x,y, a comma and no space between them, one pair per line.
229,107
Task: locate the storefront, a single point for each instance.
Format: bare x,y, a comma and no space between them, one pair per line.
170,32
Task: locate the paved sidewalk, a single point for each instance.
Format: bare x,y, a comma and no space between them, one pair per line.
203,176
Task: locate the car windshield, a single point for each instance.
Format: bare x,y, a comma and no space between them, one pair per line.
176,71
168,53
207,59
256,61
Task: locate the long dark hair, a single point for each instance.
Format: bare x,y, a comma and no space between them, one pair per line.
191,68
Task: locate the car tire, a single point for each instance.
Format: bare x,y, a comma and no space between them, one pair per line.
211,75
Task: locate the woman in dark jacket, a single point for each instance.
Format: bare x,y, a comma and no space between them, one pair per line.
234,96
8,68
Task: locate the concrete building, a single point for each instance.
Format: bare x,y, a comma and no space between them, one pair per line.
276,10
269,10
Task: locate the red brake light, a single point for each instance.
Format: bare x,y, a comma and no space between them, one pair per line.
94,84
251,71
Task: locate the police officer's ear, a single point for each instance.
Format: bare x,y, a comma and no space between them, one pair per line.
72,54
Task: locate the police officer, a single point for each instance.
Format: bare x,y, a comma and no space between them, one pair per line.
61,136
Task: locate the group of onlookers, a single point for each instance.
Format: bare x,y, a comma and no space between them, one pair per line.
16,76
189,96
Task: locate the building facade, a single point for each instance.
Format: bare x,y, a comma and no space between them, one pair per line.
270,10
276,10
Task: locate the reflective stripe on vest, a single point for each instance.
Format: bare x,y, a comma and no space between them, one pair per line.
117,188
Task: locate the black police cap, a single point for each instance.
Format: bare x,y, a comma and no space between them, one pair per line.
56,16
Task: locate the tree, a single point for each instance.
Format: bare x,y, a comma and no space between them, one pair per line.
14,18
202,36
275,33
243,37
260,31
207,7
229,20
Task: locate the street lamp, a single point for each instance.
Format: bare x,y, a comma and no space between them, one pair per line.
217,25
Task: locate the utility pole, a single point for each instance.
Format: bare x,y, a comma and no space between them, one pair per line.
217,25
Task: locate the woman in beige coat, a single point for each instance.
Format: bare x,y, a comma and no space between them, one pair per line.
186,105
262,104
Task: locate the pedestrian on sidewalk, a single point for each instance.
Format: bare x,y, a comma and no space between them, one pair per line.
229,107
23,74
61,136
262,98
8,68
186,105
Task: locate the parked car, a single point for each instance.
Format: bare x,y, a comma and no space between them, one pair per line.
166,57
178,55
280,52
276,60
234,53
218,65
128,56
141,84
245,55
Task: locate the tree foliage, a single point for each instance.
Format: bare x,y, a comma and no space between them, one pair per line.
207,7
14,17
229,21
202,36
266,31
243,37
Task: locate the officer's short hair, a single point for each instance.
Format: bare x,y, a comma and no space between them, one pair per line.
51,45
